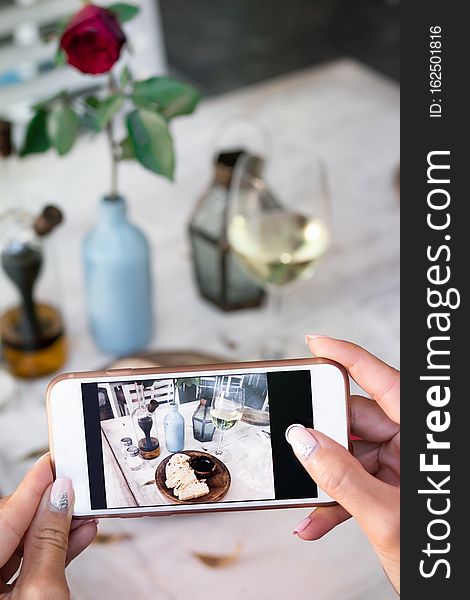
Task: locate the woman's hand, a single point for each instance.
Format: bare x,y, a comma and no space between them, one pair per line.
38,536
366,485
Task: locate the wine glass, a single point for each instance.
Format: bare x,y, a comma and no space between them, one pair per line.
226,411
279,237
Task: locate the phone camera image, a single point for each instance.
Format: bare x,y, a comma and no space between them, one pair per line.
195,440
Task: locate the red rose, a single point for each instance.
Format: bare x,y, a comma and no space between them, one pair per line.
93,40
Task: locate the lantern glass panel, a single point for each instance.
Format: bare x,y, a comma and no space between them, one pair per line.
207,266
219,276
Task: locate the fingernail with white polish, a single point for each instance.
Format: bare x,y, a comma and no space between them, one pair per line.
301,440
302,525
61,494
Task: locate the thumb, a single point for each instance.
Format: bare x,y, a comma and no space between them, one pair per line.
342,477
46,542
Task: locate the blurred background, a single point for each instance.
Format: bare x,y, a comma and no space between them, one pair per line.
308,90
219,46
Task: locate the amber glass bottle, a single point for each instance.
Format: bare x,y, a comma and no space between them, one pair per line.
31,330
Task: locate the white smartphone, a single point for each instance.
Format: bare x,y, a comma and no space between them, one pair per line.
161,441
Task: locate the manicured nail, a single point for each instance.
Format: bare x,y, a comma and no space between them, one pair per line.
95,521
61,494
77,523
301,440
311,336
302,525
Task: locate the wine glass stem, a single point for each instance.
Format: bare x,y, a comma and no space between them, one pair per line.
219,446
273,347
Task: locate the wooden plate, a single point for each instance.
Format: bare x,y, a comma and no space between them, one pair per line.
165,359
255,417
218,482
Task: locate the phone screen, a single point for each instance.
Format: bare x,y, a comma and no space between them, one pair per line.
213,438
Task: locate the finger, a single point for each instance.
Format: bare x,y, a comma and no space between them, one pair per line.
390,462
367,453
383,465
76,523
342,477
321,521
81,538
368,420
18,511
46,540
377,378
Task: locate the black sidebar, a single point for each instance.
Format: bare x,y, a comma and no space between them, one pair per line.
290,401
94,449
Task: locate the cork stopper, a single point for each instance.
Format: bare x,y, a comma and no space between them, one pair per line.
49,218
152,406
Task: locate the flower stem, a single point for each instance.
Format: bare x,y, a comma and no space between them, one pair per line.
113,148
114,161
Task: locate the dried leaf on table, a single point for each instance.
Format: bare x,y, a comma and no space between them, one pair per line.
151,482
35,454
111,538
219,560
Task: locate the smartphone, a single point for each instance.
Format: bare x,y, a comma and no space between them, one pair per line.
159,441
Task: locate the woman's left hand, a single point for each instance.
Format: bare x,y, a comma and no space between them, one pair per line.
38,536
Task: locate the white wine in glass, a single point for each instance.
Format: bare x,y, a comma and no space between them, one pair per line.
279,242
226,411
279,247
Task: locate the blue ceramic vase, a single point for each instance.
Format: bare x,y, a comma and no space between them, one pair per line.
117,281
173,424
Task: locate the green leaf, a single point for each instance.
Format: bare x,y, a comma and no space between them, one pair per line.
124,12
170,97
60,58
127,150
126,76
92,101
151,141
90,122
36,139
108,108
62,127
61,25
88,119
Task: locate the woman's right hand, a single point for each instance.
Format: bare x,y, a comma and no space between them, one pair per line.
366,485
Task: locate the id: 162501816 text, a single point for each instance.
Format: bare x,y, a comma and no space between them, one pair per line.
435,71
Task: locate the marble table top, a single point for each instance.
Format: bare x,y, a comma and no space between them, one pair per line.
345,113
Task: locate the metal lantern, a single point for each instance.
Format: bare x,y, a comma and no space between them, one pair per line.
219,277
203,427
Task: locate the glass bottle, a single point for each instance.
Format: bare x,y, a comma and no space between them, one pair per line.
134,459
145,427
173,424
31,328
126,442
118,283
